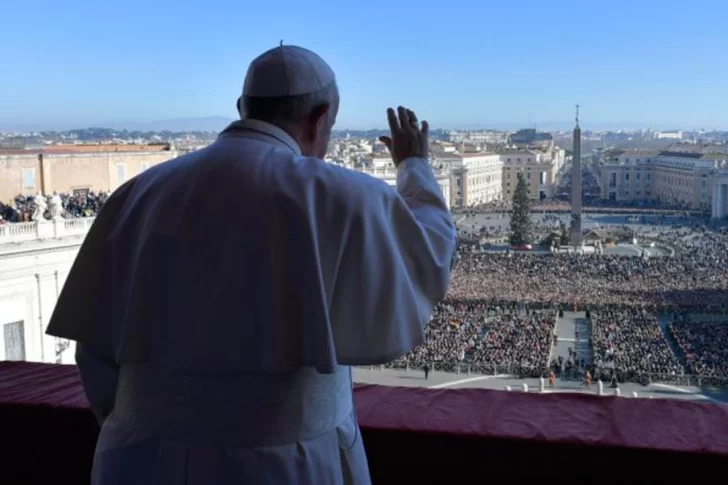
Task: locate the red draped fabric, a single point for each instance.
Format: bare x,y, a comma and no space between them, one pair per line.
412,435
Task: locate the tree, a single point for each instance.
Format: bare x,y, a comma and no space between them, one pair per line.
521,224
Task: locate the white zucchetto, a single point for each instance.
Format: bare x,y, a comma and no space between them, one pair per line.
287,70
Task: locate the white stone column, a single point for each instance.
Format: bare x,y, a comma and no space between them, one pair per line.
720,196
59,227
46,301
714,202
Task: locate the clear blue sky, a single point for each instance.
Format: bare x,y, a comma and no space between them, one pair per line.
458,63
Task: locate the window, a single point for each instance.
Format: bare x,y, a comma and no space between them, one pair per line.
28,178
144,166
14,338
121,173
613,180
81,191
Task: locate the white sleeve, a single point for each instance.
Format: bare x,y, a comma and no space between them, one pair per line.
395,266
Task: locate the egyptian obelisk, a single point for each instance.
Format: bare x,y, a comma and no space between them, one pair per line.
576,237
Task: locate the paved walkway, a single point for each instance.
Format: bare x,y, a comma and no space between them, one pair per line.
583,329
441,380
565,336
567,328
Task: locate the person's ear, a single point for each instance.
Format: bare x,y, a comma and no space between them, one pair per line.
239,106
319,119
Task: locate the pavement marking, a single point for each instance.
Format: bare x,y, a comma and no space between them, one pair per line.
686,391
465,381
674,388
564,339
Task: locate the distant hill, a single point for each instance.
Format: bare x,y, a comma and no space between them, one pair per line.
210,123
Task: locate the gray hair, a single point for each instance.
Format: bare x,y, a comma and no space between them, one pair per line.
290,109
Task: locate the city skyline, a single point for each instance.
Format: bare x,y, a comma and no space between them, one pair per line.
217,123
485,66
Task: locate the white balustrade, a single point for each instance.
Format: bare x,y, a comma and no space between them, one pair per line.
33,231
23,231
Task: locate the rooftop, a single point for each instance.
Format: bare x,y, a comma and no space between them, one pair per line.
70,149
695,156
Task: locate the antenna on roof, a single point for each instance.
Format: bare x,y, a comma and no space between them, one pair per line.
577,114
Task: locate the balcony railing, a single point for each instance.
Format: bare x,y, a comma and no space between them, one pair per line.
31,231
434,435
391,172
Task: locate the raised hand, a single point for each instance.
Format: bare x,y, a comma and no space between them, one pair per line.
408,139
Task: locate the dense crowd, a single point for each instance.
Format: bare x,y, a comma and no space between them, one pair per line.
81,204
688,278
454,330
590,206
488,318
631,343
703,346
490,337
500,311
517,343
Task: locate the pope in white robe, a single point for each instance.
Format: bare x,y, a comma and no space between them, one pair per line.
220,298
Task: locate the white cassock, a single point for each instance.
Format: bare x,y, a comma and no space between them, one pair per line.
220,298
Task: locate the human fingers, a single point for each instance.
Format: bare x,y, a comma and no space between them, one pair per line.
387,142
393,122
413,120
404,120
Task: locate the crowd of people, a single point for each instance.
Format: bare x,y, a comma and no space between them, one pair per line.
492,338
500,311
693,277
592,205
623,293
630,343
517,343
703,345
80,204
